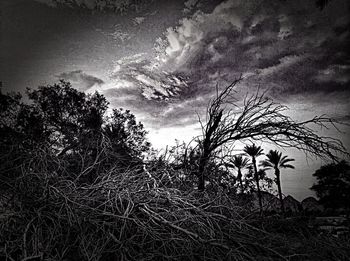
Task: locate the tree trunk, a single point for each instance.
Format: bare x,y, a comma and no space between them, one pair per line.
240,180
278,181
208,146
200,174
201,182
257,185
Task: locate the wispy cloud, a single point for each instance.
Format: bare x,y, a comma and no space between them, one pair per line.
81,80
153,83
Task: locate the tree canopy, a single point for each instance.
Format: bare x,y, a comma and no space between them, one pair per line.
333,185
70,124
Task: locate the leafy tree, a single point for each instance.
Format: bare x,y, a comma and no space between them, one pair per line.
68,114
276,161
239,162
333,185
249,179
127,137
12,151
255,151
264,181
74,126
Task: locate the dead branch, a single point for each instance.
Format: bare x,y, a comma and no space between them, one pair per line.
260,118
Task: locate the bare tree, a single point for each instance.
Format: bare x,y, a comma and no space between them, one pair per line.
211,138
259,118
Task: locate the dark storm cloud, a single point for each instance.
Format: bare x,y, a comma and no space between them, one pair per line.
81,80
289,47
99,5
275,44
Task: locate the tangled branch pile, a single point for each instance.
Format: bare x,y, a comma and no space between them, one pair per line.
122,216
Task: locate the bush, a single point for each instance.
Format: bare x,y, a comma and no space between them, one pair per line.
333,185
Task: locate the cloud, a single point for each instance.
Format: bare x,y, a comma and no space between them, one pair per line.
81,80
119,6
154,84
334,73
119,34
89,4
190,5
138,20
289,47
285,47
156,114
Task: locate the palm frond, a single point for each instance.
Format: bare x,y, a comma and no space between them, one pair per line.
239,161
266,164
253,150
276,159
286,160
287,166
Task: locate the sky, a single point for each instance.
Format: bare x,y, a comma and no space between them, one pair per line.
162,59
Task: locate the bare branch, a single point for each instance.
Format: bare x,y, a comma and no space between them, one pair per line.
262,119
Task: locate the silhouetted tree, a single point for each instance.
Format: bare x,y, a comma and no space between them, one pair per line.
276,161
249,179
264,181
74,126
333,185
128,138
211,135
239,162
259,118
255,151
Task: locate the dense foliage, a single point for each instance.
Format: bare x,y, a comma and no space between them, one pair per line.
72,125
333,185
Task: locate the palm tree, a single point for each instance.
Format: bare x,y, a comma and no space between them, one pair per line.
276,161
239,162
255,151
